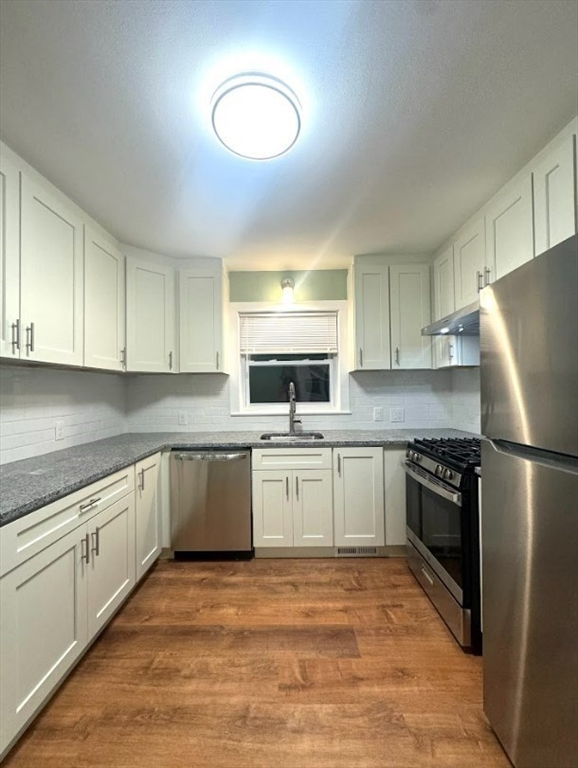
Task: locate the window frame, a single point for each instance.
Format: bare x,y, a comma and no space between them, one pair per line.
339,372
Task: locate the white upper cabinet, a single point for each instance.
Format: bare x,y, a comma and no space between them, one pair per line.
9,258
150,316
443,276
372,342
509,229
104,313
469,263
201,319
51,266
554,196
410,312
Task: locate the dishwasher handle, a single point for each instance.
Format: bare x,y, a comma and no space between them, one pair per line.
190,456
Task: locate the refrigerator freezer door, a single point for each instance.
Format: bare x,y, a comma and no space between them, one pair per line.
530,600
529,358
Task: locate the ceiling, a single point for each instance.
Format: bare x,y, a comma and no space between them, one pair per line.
415,112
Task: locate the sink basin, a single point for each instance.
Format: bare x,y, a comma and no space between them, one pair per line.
292,438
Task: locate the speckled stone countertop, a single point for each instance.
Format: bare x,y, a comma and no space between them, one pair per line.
32,483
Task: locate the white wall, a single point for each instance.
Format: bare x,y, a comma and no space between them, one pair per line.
154,403
466,399
98,405
91,405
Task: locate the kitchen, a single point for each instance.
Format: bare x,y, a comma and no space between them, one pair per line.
233,370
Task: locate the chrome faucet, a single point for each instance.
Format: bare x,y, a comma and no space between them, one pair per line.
292,409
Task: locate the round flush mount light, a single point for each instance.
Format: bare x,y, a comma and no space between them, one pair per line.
256,116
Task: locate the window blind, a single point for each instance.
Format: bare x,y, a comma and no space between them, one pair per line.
288,332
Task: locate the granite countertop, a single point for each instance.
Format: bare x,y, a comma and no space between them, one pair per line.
32,483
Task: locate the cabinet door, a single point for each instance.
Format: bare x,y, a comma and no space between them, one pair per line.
51,266
43,628
395,507
410,312
272,509
9,258
510,229
372,350
103,303
150,316
444,292
358,497
445,351
147,513
555,197
201,320
469,263
313,508
111,571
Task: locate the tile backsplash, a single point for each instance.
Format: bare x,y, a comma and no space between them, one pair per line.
94,405
154,403
89,406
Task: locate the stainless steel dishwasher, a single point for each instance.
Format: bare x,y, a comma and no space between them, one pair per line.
211,504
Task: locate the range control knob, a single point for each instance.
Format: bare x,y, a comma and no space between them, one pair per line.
409,454
439,470
448,474
417,457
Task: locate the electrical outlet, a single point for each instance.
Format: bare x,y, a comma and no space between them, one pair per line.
59,430
396,415
183,419
378,413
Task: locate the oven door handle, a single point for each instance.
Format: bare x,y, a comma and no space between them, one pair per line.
436,487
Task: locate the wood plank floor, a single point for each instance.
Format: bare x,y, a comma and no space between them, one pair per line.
270,664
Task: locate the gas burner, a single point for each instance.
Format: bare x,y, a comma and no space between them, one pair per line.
450,454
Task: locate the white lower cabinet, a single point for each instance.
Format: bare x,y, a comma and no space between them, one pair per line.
43,628
111,567
147,513
292,508
358,497
395,509
56,594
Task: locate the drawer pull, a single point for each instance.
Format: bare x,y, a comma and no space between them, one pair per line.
426,574
90,504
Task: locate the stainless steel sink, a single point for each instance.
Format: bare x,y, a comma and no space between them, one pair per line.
296,437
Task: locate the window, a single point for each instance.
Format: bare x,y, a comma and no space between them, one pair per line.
277,348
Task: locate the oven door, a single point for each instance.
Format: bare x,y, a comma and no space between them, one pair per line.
434,526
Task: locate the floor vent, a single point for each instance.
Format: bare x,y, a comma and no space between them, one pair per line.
356,551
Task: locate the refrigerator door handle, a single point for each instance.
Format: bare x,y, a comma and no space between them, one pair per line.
546,458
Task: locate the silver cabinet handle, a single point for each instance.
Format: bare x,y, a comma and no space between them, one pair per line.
487,276
287,487
15,336
339,464
479,280
89,505
141,482
360,357
123,357
85,549
397,355
426,574
217,361
170,361
297,487
450,351
96,536
30,338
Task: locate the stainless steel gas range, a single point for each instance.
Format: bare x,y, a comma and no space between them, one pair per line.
443,547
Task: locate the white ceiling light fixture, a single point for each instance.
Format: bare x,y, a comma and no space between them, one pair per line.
256,116
287,290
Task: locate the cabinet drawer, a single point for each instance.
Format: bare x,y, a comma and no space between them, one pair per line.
291,458
26,537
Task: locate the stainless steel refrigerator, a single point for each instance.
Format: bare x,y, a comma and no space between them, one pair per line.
529,388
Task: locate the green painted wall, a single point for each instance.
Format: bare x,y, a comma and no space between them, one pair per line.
317,285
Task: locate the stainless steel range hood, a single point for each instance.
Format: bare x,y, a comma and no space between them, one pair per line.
464,322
